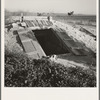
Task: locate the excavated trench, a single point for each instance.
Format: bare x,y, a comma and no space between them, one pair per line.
50,42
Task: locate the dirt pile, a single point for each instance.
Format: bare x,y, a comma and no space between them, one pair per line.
82,37
11,42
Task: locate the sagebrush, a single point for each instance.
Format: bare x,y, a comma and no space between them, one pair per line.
21,71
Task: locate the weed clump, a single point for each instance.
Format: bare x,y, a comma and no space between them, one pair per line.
21,71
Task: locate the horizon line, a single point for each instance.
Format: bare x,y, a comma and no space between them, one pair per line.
46,12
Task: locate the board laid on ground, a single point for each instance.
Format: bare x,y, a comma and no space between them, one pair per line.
30,44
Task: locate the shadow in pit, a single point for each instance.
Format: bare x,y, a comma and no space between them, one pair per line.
49,42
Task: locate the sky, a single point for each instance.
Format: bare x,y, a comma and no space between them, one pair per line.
56,6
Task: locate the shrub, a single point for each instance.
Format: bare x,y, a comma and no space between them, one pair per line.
21,71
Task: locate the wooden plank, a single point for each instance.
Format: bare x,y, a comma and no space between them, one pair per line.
21,31
29,23
49,23
34,56
79,52
28,46
44,22
35,23
23,37
70,43
39,23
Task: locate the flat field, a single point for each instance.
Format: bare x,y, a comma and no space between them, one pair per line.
87,21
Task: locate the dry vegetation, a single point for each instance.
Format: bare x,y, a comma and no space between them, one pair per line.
21,71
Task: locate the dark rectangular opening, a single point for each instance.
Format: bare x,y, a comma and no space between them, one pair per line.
50,43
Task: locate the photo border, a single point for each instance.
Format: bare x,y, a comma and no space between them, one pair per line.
98,52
